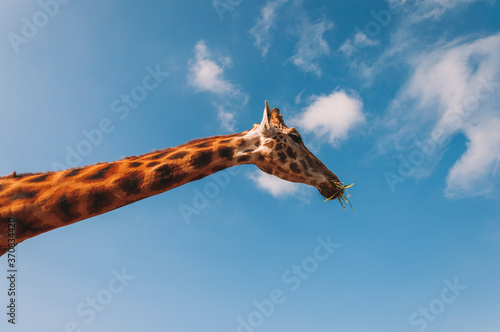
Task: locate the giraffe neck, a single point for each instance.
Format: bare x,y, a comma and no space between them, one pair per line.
42,202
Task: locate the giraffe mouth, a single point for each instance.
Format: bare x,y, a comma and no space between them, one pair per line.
330,191
336,190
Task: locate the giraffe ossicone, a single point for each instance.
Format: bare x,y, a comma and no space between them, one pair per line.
42,202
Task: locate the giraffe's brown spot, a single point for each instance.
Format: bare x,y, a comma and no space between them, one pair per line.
152,164
73,172
201,159
158,155
309,160
23,194
291,153
280,169
101,173
295,168
241,143
39,178
131,183
217,168
267,169
98,200
28,226
226,152
257,144
178,155
135,164
304,164
66,208
166,177
282,157
243,159
205,144
199,177
280,146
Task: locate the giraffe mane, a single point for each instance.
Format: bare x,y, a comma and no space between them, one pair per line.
16,175
201,140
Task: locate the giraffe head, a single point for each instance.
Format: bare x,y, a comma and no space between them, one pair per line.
281,152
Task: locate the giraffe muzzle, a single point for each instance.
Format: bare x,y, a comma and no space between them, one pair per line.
330,190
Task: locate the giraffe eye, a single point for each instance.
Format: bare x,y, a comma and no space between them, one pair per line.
295,138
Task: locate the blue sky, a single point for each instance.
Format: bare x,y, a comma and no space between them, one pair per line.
401,98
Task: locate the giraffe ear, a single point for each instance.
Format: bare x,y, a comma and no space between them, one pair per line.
265,124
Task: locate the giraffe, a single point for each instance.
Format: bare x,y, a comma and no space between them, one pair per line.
42,202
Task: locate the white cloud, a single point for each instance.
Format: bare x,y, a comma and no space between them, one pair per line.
472,174
261,31
455,89
311,45
274,185
226,118
332,116
206,74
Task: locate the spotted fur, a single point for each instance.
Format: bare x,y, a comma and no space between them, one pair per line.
41,202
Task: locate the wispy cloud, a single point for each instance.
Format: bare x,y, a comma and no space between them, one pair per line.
226,117
331,117
275,186
402,21
359,41
455,89
262,29
206,74
311,45
429,9
421,10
